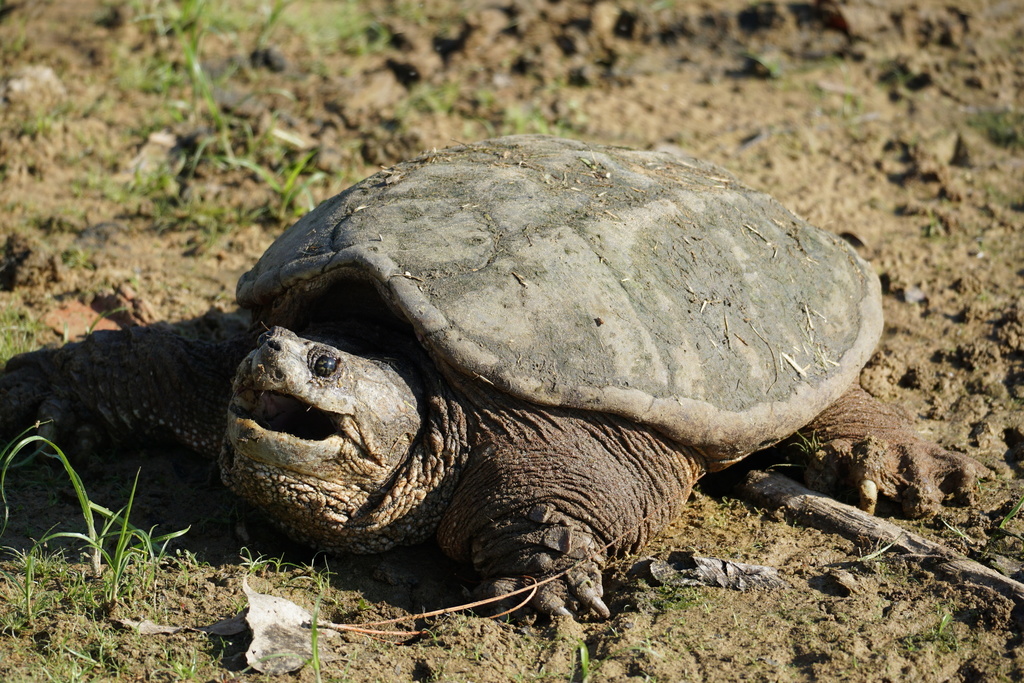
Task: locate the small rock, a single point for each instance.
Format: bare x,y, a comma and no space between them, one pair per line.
603,18
239,102
331,160
268,58
100,235
844,580
948,148
160,153
914,295
37,86
485,25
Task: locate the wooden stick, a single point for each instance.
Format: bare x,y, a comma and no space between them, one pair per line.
775,491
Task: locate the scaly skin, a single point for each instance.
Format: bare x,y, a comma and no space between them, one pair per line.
374,446
872,447
145,382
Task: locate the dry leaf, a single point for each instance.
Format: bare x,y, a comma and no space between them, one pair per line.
231,626
685,569
148,628
225,627
282,637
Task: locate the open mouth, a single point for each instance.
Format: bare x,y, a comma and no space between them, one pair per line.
282,413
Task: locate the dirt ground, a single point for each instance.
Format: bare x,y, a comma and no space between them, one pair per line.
150,150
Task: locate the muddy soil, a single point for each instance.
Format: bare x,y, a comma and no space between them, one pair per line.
133,188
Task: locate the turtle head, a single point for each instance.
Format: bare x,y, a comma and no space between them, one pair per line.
318,437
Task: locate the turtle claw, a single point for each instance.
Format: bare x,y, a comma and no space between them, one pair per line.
872,447
585,585
917,474
868,496
595,603
579,590
550,600
561,553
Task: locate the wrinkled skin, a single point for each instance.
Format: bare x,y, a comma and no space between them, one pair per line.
872,447
348,447
351,439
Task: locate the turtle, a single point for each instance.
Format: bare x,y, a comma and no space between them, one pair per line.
529,348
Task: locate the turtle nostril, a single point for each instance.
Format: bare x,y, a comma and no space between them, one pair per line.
268,340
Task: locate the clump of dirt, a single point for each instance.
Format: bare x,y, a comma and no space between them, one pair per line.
139,182
26,266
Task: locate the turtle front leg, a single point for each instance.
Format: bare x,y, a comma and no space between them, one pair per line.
140,382
561,493
865,444
522,546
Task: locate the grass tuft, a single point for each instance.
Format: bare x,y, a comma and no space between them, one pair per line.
18,333
1003,128
123,557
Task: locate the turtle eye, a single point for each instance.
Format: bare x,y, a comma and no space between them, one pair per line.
324,366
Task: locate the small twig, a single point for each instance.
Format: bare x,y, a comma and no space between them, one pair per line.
799,370
754,230
531,590
361,628
775,361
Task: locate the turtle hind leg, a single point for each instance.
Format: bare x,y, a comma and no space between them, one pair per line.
861,443
144,382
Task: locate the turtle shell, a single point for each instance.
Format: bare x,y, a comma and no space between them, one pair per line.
650,285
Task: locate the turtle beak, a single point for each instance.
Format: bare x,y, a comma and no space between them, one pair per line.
283,431
278,412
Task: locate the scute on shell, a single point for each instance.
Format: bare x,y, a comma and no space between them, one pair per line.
645,284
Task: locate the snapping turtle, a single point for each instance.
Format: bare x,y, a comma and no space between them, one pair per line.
530,347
